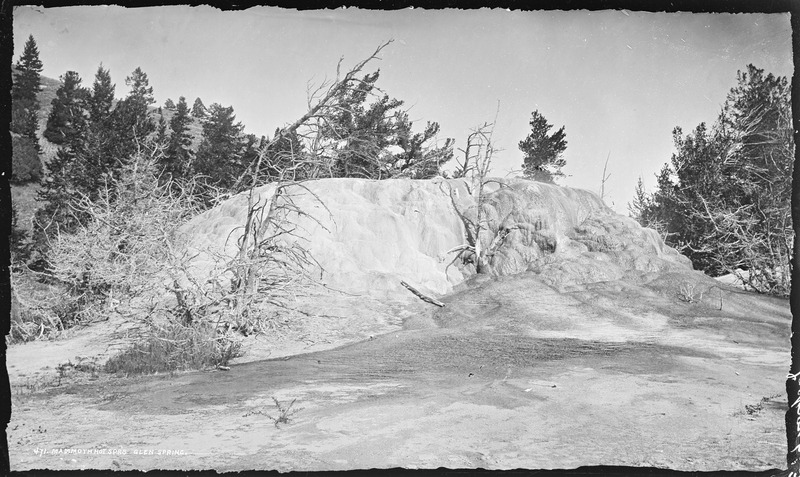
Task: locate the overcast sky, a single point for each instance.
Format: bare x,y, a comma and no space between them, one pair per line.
618,81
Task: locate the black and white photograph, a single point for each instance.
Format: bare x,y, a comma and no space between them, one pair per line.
348,239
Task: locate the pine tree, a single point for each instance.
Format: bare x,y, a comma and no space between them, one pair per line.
639,205
102,97
130,121
285,158
178,155
169,104
161,130
219,156
418,161
70,177
542,161
363,133
25,164
17,239
27,83
728,206
199,109
68,107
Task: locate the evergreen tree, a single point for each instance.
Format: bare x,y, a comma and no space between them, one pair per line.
724,200
169,104
161,130
363,133
418,161
542,161
18,239
285,159
25,163
199,109
219,156
130,121
639,207
70,177
26,85
366,130
68,107
178,155
102,98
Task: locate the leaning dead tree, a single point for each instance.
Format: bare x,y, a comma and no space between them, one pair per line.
271,262
315,131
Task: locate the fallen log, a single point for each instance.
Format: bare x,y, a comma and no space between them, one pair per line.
422,297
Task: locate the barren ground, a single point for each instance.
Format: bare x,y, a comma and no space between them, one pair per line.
510,374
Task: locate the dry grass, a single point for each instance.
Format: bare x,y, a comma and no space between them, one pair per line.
39,309
24,199
173,347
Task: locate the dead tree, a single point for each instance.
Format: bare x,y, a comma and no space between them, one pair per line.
270,259
475,168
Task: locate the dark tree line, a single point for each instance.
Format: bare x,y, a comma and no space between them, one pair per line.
724,198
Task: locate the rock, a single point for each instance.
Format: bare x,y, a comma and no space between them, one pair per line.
367,236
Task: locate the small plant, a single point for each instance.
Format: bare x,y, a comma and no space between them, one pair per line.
284,413
688,293
753,409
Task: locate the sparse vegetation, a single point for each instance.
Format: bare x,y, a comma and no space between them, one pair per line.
755,409
284,414
176,346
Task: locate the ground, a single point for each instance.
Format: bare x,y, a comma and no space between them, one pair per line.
511,373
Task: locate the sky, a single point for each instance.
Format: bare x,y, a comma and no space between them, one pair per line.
618,81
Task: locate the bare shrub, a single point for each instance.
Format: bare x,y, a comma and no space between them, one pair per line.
123,261
285,414
271,268
40,306
116,262
689,293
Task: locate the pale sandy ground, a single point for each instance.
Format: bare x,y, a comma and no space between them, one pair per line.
509,374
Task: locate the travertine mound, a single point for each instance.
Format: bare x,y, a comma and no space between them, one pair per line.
368,236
